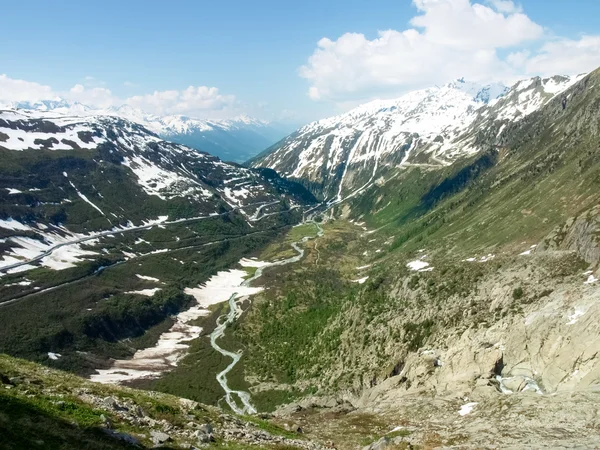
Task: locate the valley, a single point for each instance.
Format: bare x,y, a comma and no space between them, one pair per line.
392,290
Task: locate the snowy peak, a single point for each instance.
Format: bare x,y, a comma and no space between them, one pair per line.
236,139
431,127
457,96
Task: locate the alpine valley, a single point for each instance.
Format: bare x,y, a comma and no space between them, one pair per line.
415,273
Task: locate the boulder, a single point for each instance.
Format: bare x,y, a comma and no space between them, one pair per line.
158,437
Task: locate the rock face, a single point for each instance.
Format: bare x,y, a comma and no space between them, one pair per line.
579,234
159,437
553,347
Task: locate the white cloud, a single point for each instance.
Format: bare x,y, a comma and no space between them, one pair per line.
563,56
193,100
198,101
448,39
97,96
462,25
12,90
506,6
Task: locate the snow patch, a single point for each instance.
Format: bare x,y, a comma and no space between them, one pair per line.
147,278
361,280
417,265
467,408
145,292
574,318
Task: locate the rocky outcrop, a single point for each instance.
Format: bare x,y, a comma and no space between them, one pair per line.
579,234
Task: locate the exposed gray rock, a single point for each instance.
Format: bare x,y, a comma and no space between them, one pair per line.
206,428
158,437
381,444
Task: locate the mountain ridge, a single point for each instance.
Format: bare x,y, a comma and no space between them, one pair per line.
434,126
235,139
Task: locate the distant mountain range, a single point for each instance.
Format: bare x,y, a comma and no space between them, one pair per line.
236,140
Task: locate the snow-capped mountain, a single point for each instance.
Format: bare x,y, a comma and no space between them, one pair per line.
64,177
237,139
342,155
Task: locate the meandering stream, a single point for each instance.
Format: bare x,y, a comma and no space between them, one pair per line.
172,345
235,311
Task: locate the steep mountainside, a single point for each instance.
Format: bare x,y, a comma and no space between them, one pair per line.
237,139
340,156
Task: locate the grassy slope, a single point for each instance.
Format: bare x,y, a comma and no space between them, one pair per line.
95,315
48,409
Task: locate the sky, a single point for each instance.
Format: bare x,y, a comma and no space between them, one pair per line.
288,60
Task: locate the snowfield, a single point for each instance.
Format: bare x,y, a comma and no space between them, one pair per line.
173,344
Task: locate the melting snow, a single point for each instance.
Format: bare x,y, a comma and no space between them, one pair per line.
83,197
145,292
361,280
66,257
252,263
147,278
12,224
591,279
54,356
417,265
222,286
573,318
171,346
467,408
482,259
19,269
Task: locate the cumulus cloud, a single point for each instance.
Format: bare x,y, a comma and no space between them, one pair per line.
193,100
561,56
448,39
12,90
506,6
200,101
96,96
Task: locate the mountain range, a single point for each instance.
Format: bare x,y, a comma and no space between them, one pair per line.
339,156
63,177
237,139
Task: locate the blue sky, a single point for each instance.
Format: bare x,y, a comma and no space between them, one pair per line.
252,51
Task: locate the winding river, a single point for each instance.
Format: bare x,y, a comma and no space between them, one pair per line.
235,311
172,345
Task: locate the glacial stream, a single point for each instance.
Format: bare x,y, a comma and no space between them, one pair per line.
173,344
235,311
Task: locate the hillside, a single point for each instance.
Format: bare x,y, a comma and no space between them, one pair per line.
446,304
456,304
42,408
